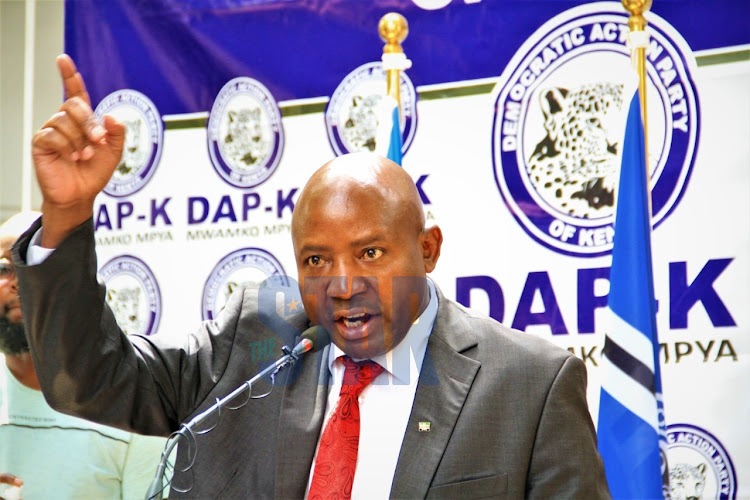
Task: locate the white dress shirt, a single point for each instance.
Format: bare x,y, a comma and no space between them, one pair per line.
384,406
36,253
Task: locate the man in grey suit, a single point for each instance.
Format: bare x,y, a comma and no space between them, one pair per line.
463,408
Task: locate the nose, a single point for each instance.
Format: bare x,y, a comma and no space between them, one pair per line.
345,287
13,282
345,283
10,284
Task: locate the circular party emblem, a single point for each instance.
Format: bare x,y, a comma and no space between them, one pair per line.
560,111
144,137
245,136
132,294
353,114
699,466
246,267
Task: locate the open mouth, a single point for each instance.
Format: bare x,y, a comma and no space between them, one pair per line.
353,325
355,320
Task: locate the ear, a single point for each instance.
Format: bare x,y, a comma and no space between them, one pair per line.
431,240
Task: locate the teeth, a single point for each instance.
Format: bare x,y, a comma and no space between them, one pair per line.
354,321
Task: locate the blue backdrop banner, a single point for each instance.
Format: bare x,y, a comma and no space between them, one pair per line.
181,53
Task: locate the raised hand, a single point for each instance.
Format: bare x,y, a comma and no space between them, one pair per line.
74,156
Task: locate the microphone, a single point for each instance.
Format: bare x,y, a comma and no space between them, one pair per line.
313,339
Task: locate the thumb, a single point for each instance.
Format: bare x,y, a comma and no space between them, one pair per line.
115,134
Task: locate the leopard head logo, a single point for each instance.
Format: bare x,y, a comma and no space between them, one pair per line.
574,167
244,142
361,127
687,482
132,154
124,304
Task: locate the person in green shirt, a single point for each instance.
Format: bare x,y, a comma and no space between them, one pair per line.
44,453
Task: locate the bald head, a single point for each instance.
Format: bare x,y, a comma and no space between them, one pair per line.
338,184
363,252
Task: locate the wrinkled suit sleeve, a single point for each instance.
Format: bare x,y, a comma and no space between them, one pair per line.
89,368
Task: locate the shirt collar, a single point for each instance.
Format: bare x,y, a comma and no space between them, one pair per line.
398,360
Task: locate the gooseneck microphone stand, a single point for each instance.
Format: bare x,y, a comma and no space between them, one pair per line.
312,339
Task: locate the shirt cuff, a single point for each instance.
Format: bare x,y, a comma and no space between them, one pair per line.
36,254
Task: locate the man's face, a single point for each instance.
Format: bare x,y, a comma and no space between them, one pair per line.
361,269
9,302
12,336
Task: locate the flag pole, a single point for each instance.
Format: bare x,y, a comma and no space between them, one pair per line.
631,408
393,30
638,41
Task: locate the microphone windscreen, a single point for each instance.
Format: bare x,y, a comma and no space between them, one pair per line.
318,335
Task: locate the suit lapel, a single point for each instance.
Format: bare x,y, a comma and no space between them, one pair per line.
444,383
300,420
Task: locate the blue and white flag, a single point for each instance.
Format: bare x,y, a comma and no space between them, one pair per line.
389,141
631,427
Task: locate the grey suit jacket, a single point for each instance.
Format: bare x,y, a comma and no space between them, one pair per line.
507,410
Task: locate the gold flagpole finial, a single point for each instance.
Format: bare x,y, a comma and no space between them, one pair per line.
636,9
638,41
394,29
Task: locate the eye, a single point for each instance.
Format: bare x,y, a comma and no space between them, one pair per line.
7,269
372,254
314,261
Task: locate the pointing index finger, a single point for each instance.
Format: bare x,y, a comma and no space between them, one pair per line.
72,80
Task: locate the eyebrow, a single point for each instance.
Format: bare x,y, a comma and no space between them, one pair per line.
361,242
367,240
313,249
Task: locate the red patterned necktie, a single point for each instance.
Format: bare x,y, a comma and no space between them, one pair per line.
333,476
